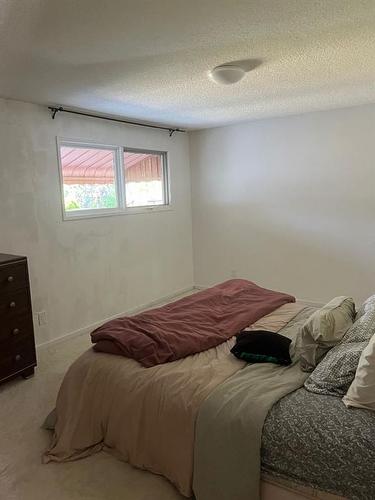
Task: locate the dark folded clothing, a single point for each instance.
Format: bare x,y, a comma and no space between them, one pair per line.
261,346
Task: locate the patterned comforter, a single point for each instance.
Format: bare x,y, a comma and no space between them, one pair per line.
315,440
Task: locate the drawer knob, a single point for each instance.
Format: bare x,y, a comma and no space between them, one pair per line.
18,357
16,331
12,304
10,279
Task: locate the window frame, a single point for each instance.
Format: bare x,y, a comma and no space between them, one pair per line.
119,181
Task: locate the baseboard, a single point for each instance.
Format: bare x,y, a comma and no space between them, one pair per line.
200,287
89,328
311,303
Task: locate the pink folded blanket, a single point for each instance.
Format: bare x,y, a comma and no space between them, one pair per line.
189,325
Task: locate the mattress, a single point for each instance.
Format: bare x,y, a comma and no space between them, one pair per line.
315,440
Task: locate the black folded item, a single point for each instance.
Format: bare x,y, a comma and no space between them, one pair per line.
261,346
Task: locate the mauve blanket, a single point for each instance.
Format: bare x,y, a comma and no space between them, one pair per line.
189,325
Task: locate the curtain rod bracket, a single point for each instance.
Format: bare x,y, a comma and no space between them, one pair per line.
55,109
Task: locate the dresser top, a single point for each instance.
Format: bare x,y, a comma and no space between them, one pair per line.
6,258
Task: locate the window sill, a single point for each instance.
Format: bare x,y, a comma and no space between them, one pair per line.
128,211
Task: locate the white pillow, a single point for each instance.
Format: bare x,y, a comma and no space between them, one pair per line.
361,393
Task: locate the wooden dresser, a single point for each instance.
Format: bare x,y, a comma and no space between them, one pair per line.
17,345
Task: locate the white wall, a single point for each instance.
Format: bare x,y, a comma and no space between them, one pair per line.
84,271
288,203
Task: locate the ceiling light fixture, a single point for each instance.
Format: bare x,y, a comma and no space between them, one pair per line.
227,74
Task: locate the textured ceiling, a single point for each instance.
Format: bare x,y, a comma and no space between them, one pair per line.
149,59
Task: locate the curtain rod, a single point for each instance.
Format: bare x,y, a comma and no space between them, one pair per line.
60,109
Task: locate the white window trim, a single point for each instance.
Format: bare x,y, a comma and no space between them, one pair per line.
122,209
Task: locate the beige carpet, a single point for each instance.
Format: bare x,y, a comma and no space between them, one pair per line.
23,407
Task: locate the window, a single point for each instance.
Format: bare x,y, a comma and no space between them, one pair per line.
144,178
103,180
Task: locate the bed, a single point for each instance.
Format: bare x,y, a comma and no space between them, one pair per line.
315,441
207,421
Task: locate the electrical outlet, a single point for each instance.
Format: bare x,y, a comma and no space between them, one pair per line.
42,318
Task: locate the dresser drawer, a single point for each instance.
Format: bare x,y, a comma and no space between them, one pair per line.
16,327
14,304
23,353
13,277
16,357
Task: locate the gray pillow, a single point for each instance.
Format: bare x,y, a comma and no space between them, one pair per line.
367,305
336,371
364,327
